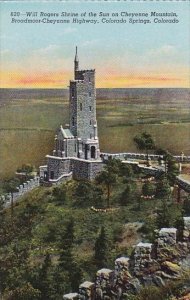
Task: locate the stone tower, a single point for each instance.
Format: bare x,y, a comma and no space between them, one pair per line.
83,124
76,153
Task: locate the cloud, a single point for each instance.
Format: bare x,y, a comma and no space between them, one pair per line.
37,80
165,50
49,50
5,52
69,30
90,43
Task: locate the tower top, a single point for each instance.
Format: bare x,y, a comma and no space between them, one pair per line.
76,61
76,56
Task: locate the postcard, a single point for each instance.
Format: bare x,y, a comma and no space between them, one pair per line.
94,150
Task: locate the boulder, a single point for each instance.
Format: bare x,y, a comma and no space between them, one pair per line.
171,268
158,281
71,296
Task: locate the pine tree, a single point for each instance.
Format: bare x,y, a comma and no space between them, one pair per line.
66,245
163,215
108,177
101,249
126,195
68,273
163,190
179,224
46,278
144,141
148,189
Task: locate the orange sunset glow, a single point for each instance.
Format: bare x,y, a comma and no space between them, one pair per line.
108,80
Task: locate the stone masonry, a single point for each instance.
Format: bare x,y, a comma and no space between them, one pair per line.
143,268
76,150
21,190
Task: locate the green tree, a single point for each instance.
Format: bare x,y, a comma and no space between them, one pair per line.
163,190
126,171
101,249
26,291
59,193
126,195
148,189
171,168
68,273
87,194
66,245
144,142
45,278
108,177
11,187
179,224
163,215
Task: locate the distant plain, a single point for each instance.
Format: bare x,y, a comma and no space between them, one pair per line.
29,119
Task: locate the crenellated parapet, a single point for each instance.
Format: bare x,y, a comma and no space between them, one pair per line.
21,190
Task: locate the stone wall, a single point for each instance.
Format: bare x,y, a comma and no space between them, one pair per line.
72,147
184,184
142,156
85,169
95,168
86,105
21,190
58,166
141,269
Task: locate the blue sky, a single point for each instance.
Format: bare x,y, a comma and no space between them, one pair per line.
124,55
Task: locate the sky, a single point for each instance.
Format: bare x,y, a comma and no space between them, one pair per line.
124,55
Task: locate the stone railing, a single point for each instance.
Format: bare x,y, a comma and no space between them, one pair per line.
183,183
151,264
142,156
61,179
21,190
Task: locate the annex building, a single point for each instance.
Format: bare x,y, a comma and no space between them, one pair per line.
76,152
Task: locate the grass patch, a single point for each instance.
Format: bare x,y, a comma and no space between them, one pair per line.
27,127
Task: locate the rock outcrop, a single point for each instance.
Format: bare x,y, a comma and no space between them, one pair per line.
150,264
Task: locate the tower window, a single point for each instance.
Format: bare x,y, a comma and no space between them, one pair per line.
90,94
89,79
73,121
90,122
93,152
80,106
90,108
